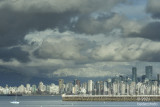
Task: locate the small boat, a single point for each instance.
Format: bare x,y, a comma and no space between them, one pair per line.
15,101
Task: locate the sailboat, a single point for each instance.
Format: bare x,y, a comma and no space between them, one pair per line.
15,101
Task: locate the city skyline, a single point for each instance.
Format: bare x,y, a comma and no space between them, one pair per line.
119,85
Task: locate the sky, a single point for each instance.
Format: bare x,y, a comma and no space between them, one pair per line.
81,38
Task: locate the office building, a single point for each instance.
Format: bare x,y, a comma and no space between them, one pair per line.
158,79
134,74
77,82
61,86
148,71
90,87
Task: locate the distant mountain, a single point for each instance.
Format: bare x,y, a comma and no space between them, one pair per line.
13,78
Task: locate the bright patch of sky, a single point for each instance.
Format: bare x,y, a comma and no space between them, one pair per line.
134,9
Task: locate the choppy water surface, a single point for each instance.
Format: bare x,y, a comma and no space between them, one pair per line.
56,101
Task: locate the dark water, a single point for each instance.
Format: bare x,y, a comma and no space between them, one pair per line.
56,101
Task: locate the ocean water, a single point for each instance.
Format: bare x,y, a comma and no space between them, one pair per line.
56,101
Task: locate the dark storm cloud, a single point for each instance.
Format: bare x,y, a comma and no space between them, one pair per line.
89,25
151,56
153,7
14,53
49,51
59,6
106,23
18,17
14,25
150,31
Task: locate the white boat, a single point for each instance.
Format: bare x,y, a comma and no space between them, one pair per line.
14,102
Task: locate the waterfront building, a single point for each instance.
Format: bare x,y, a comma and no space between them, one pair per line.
138,85
75,90
34,89
132,88
69,88
148,89
90,86
142,89
21,89
154,88
158,84
54,89
158,79
127,89
41,87
122,88
28,87
148,70
99,87
82,90
61,86
77,82
105,88
84,85
115,89
143,78
134,74
109,86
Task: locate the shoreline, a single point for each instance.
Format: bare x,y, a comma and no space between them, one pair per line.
120,98
30,95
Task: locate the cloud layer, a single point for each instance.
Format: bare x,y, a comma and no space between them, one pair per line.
83,38
153,7
58,6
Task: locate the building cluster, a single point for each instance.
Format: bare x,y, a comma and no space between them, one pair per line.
119,85
42,89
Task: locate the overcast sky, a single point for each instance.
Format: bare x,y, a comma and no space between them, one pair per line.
83,38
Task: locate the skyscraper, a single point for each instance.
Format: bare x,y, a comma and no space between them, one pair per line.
143,78
134,74
158,79
90,82
148,70
61,82
77,82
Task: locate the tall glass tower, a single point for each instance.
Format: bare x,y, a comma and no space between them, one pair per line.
148,70
61,88
134,74
158,79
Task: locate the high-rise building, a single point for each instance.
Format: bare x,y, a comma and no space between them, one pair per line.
41,87
68,88
61,87
158,84
143,78
105,88
158,79
134,74
34,89
98,88
28,87
74,83
84,85
90,82
77,82
148,70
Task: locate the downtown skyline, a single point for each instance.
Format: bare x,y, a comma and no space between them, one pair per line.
119,85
